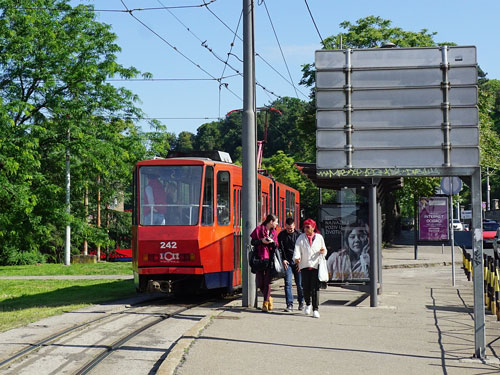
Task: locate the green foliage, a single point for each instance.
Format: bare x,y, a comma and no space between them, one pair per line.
282,168
414,188
49,269
184,142
119,228
26,301
54,97
372,32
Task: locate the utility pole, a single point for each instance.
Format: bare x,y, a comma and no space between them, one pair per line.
488,207
249,145
67,250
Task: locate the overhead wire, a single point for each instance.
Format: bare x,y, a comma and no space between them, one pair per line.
89,8
177,50
203,44
229,54
256,53
167,79
279,45
314,22
226,63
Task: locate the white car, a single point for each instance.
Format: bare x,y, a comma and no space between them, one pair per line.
457,225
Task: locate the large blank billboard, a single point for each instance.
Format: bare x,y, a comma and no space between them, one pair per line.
397,108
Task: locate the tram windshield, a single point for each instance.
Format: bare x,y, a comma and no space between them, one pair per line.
170,194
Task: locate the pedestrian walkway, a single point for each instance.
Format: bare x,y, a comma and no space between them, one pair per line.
423,325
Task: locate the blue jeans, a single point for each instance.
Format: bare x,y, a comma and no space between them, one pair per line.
292,269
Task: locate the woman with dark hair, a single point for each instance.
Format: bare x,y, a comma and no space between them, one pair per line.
353,260
265,240
308,249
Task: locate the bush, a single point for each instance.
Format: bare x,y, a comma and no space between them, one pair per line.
20,258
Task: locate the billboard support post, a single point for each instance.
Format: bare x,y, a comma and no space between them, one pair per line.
477,267
452,234
372,201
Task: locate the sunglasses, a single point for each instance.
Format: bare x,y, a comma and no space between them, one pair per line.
307,226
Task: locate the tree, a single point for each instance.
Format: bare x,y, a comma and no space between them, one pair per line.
282,168
208,137
54,62
184,141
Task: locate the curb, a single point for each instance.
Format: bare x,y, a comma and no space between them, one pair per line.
181,346
420,265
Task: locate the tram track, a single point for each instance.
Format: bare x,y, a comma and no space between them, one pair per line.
89,347
117,344
59,334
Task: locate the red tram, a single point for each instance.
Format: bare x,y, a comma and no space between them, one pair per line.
186,228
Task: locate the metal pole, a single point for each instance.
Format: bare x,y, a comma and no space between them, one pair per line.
379,246
373,244
67,249
477,267
452,233
249,142
488,207
416,225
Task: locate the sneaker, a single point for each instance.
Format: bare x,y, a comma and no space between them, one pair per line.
301,306
316,314
307,310
289,308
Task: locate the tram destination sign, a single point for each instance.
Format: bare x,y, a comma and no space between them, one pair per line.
396,110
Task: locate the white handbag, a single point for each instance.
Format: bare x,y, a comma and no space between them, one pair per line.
322,269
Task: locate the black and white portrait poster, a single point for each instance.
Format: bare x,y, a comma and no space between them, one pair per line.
347,234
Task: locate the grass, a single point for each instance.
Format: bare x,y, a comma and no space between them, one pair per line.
104,268
26,301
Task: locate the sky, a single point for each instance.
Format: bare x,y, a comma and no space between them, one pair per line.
187,90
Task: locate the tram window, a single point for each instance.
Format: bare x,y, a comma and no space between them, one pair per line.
223,198
278,211
259,203
207,216
234,208
170,195
271,198
239,207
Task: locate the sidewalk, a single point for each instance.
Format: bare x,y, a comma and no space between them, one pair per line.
423,325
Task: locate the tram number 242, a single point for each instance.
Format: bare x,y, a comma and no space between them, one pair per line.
168,245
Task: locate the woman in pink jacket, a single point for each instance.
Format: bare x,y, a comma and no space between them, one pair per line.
265,240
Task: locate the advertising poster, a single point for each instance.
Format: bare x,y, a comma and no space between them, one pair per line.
347,237
433,219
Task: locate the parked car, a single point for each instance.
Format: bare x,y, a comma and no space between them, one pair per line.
457,225
490,229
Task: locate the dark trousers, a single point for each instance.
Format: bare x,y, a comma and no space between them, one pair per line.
263,281
310,285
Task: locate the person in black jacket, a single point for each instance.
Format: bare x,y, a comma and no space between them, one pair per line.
286,241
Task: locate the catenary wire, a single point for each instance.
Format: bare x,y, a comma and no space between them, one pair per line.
256,54
177,50
206,46
279,45
89,8
314,22
203,43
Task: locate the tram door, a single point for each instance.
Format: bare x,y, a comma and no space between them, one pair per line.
237,244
